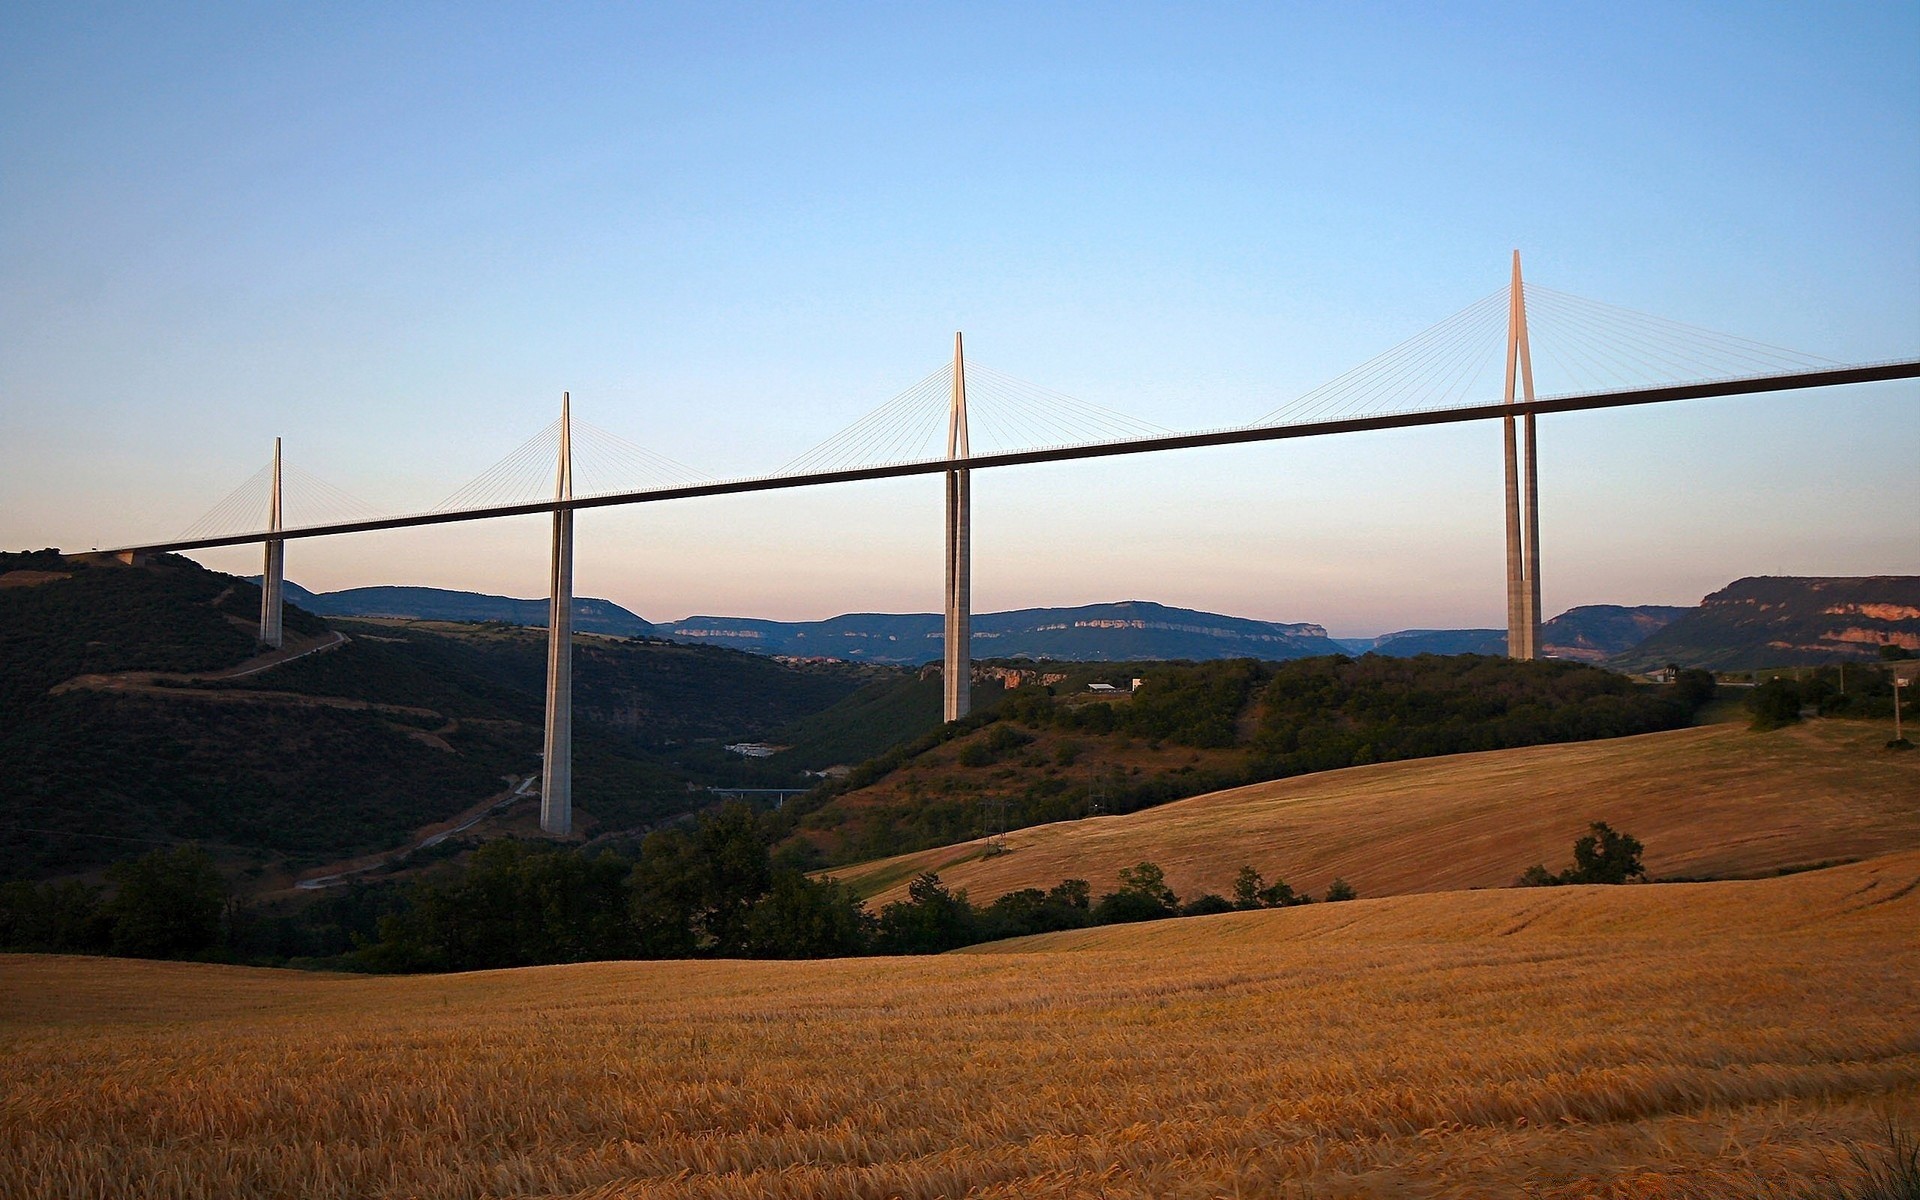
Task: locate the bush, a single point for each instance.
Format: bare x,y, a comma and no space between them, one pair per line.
169,904
1206,905
930,920
1604,855
1774,704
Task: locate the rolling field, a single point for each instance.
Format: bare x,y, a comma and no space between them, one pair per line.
1684,1040
1716,800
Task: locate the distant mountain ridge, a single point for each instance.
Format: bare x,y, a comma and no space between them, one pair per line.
443,604
1587,633
1126,631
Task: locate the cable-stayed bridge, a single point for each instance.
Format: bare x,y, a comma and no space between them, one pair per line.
965,417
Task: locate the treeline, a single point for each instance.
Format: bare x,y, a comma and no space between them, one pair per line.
1253,721
711,890
1855,690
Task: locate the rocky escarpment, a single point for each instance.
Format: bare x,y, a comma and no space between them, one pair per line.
1771,621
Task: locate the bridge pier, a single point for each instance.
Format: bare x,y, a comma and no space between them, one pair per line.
1523,528
556,770
273,574
957,670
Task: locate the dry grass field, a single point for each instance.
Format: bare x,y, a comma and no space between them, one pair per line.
1687,1040
1715,801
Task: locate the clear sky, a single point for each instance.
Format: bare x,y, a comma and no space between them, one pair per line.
393,234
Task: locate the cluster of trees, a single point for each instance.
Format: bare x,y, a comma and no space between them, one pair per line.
1272,720
172,903
1603,855
933,918
1855,690
714,890
709,890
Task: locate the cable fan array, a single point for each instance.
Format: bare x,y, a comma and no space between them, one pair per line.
604,463
305,499
1584,345
1436,368
1004,414
1577,345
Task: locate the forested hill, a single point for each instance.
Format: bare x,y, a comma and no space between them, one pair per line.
119,729
1774,621
1191,728
443,604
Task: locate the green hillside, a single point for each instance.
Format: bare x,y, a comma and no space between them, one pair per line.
120,732
1063,753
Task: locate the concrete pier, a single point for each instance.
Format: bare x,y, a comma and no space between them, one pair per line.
957,670
273,574
1523,527
556,771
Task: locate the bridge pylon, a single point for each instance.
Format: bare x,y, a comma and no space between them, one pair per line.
1523,493
556,771
273,573
957,671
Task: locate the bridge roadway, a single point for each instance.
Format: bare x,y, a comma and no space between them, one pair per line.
1581,402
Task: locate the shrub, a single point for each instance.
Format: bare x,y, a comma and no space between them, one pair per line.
1774,704
1603,855
169,904
1206,905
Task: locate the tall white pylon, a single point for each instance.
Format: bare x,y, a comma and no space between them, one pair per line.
556,771
1523,533
273,574
957,672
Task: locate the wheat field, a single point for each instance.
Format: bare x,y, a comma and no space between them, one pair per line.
1715,801
1683,1040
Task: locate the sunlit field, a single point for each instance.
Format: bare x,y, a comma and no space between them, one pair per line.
1741,1038
1714,801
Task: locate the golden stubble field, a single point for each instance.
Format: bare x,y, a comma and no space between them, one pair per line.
1685,1040
1716,800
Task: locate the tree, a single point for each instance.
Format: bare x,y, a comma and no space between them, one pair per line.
804,918
1206,905
1694,687
55,918
929,921
1247,886
1606,856
1537,875
738,870
1339,890
1774,704
1280,894
169,904
1143,896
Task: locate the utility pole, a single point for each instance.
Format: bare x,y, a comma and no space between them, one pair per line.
556,770
1902,676
957,671
274,573
1523,532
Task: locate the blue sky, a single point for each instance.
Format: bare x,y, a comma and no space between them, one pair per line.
394,234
